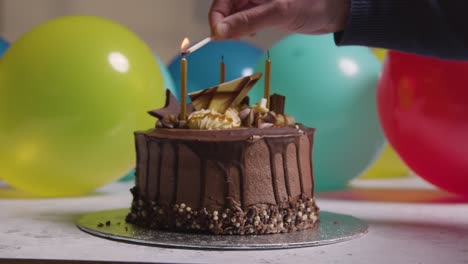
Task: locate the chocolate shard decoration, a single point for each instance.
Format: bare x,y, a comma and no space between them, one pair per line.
245,102
201,99
223,96
270,117
277,103
252,80
171,107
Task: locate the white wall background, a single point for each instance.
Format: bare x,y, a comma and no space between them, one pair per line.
161,23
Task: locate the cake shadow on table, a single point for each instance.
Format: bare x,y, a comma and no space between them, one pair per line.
221,166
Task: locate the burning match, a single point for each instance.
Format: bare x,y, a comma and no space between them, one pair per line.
198,45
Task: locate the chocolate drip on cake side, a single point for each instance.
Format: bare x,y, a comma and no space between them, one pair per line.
202,182
152,189
278,147
225,168
240,169
176,172
142,153
218,161
298,154
148,162
309,165
158,180
167,175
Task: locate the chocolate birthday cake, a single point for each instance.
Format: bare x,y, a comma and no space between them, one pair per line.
226,168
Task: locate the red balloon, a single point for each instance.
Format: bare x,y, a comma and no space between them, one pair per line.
423,108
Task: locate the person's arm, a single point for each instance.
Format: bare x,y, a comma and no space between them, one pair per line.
436,28
238,18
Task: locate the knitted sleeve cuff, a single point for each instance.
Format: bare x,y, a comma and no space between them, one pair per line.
416,26
368,23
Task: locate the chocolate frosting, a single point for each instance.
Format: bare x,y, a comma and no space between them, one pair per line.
235,134
218,168
171,107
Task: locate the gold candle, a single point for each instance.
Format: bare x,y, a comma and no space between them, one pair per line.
266,93
183,80
222,69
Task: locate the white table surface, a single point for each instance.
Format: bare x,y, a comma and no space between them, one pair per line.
406,226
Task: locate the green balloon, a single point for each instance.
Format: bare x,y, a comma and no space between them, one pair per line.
332,89
168,84
72,92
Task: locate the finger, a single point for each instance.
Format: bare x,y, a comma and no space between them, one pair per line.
219,10
250,21
242,5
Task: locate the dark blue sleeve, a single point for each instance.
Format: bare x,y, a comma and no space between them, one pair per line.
435,28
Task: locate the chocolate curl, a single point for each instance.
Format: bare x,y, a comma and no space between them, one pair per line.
289,120
247,117
244,113
265,125
284,120
270,117
170,121
277,103
165,123
256,118
251,118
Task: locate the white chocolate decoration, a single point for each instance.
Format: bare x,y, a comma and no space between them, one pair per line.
261,106
211,120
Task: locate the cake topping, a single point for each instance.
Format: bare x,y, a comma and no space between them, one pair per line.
277,103
261,106
168,115
210,119
171,107
225,106
224,96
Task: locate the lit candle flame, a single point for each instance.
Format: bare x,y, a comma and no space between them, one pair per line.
185,45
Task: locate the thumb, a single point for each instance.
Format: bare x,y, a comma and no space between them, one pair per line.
249,21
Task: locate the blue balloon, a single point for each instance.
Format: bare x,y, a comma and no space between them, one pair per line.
240,59
129,177
3,46
334,90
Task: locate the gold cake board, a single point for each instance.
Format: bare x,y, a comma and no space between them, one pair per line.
333,228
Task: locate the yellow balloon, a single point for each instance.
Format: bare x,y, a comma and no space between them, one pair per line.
72,92
388,165
380,53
